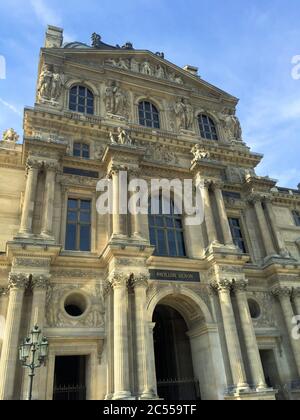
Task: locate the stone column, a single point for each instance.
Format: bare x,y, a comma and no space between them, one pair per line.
10,348
136,222
284,296
276,231
209,217
296,297
49,199
119,220
121,355
29,197
152,367
217,188
249,335
40,284
140,284
232,339
263,226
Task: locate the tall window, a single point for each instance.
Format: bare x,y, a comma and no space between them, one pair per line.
207,127
237,234
78,234
81,150
148,115
166,231
81,100
296,215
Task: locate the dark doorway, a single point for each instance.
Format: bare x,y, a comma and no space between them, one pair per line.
271,372
173,359
70,378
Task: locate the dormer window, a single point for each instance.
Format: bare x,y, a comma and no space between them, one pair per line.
81,100
81,150
207,128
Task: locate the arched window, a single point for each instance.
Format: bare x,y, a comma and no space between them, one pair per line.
81,100
81,150
207,127
166,230
148,115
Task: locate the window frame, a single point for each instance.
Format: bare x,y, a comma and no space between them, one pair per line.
76,104
78,223
81,150
242,234
165,227
212,128
153,111
296,217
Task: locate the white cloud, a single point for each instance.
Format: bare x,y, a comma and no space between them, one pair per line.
44,13
10,107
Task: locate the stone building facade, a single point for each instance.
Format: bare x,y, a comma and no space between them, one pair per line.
136,307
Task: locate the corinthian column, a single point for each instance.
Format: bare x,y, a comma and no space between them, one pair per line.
209,217
136,223
29,197
119,283
284,296
249,335
217,188
140,284
51,168
232,339
263,226
10,347
276,231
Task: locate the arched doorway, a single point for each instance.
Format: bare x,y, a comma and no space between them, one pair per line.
173,357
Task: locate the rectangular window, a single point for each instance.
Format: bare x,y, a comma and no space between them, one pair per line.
296,215
237,234
78,231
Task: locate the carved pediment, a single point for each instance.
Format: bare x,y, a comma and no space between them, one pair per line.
146,64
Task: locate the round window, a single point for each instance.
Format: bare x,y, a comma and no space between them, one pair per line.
75,305
254,309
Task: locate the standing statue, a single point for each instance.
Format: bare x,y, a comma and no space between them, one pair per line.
184,114
199,154
122,138
115,100
10,136
50,84
146,68
231,125
45,83
123,64
160,73
134,65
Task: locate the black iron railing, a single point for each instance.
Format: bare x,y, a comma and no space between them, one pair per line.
179,389
69,393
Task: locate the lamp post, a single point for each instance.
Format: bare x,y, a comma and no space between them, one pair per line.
33,353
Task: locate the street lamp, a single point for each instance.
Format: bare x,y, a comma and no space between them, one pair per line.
33,353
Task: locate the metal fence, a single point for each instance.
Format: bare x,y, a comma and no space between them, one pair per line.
179,389
69,393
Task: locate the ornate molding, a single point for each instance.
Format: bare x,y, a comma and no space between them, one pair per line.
119,280
40,281
30,262
222,285
140,280
282,291
240,285
18,281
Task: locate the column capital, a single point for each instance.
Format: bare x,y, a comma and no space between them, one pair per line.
33,163
18,281
240,285
140,280
119,280
296,292
217,184
51,165
40,281
222,285
282,291
115,169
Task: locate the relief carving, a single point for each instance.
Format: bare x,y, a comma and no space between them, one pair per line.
50,84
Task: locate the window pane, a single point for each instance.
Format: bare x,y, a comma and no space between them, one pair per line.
81,108
72,204
85,217
180,244
152,237
162,249
172,243
71,237
72,216
85,204
85,238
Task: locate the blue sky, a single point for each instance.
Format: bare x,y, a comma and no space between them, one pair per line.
243,47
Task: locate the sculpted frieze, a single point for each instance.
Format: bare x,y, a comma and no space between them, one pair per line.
50,85
93,317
